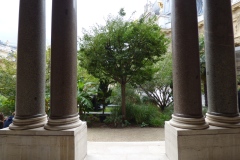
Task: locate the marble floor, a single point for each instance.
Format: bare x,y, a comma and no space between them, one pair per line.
154,150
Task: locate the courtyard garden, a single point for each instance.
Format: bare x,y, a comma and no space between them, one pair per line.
124,75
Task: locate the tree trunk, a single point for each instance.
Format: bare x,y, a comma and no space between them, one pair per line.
162,107
123,95
205,92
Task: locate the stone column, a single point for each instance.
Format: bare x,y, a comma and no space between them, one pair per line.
220,64
64,114
186,67
30,99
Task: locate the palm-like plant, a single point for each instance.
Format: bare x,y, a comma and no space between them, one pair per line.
86,90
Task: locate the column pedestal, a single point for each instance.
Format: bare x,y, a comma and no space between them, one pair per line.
62,124
221,121
42,144
188,123
209,144
21,124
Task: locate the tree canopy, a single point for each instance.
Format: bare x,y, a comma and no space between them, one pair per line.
123,50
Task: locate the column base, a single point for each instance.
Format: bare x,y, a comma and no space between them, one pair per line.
214,143
188,123
42,144
63,124
220,121
22,124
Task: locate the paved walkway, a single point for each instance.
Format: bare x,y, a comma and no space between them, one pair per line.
126,144
126,151
135,134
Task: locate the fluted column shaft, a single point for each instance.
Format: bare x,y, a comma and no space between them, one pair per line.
186,67
64,113
220,63
30,98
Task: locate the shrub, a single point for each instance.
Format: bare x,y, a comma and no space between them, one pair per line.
131,95
166,115
141,114
157,121
115,119
152,116
7,106
130,113
144,115
90,119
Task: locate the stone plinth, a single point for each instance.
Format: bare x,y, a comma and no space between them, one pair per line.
214,143
41,144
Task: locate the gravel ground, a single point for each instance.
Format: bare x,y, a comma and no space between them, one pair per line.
131,134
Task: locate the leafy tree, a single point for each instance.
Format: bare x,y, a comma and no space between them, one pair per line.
7,83
122,50
82,74
160,87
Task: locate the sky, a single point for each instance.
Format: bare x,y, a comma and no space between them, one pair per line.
89,13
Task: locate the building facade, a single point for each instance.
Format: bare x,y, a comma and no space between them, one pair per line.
162,9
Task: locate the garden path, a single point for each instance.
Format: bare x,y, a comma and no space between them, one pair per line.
128,134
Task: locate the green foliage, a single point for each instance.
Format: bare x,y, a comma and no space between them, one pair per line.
122,12
204,111
202,57
82,74
144,125
7,84
104,91
47,82
159,89
143,115
86,90
139,111
157,121
132,96
115,118
166,115
126,123
203,72
238,82
150,115
90,119
7,106
147,100
122,50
